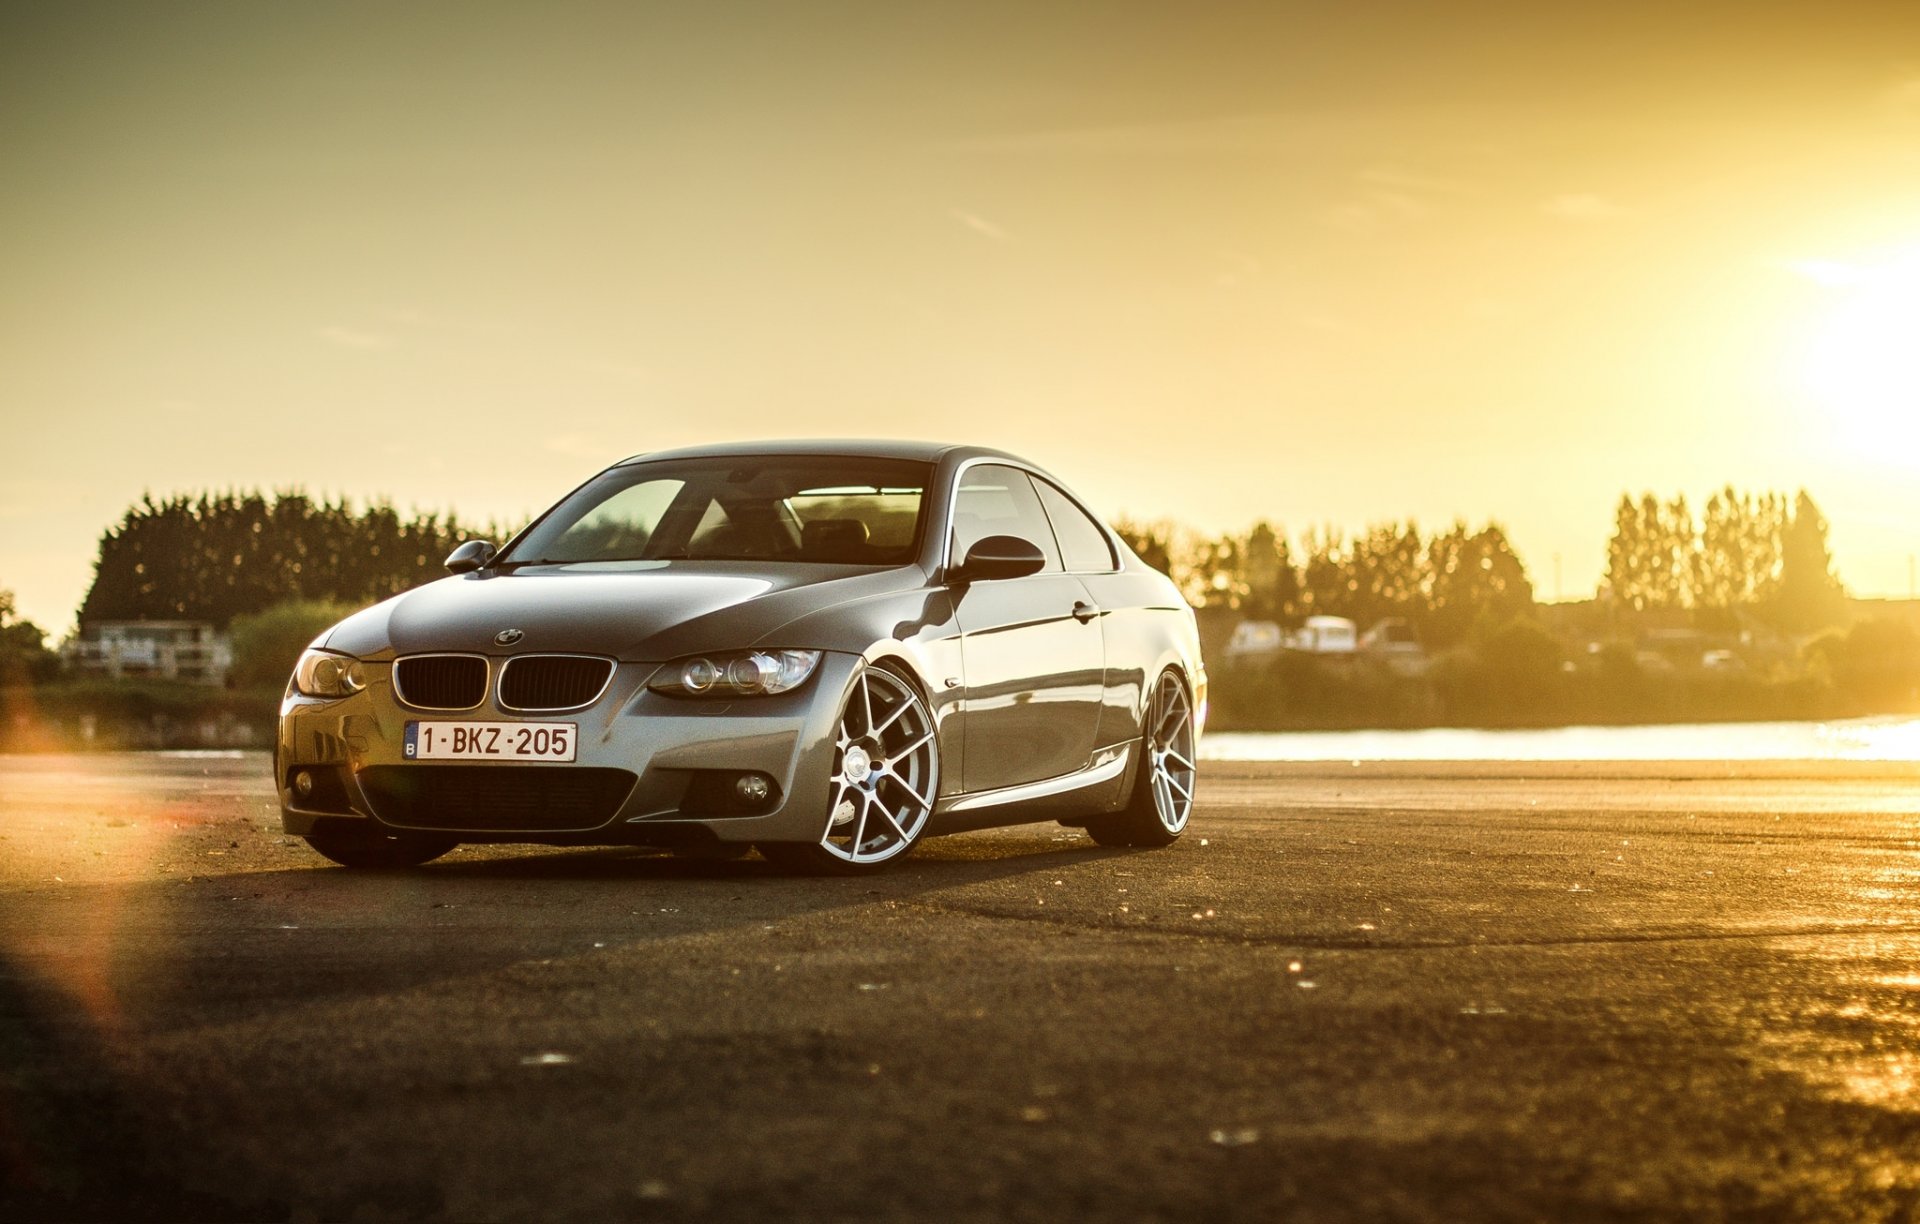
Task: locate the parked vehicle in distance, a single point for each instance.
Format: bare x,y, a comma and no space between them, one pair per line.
1325,635
1395,643
1256,639
827,650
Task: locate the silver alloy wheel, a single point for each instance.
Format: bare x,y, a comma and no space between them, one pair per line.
886,769
1170,752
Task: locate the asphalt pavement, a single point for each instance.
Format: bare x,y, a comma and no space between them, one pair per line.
1460,992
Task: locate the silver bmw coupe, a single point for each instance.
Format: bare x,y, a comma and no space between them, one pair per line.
825,650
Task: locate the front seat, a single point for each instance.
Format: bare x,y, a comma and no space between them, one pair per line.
834,540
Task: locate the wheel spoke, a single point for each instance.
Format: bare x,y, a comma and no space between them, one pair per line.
1174,753
909,787
914,747
892,718
891,822
1169,723
860,823
1175,784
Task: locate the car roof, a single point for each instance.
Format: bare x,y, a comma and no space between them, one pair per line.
867,448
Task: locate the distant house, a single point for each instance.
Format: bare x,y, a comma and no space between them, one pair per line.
192,651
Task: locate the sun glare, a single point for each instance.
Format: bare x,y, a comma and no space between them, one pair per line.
1863,363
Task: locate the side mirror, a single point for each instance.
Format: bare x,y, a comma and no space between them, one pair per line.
1001,556
470,556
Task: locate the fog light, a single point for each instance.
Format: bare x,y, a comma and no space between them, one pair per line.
303,782
753,787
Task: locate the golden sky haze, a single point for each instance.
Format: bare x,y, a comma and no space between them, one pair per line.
1303,262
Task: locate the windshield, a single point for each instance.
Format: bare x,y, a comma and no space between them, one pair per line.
835,510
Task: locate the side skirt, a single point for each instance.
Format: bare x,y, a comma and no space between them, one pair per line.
1092,789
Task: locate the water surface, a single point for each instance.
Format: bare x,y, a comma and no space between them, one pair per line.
1859,739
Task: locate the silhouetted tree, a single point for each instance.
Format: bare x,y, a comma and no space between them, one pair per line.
1151,542
1476,576
24,657
217,556
1720,579
1657,558
1389,574
1766,523
1809,595
1217,574
1271,583
1326,577
1626,573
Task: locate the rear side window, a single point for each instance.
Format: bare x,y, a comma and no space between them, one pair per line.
995,500
1083,545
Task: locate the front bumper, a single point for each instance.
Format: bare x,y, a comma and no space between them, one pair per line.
676,750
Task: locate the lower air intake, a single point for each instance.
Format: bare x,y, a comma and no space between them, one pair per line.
496,798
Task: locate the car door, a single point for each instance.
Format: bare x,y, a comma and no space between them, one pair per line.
1126,627
1031,648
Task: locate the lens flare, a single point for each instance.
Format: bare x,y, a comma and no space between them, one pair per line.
1863,365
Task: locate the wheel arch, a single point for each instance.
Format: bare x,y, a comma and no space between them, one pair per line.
945,704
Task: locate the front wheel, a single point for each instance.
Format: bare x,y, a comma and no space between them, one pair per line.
363,846
1162,799
886,774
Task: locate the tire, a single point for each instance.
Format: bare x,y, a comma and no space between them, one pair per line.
368,848
886,775
1162,800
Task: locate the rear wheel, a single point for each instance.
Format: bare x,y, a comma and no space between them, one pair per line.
362,845
886,774
1162,798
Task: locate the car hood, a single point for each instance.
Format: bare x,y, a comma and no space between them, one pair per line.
637,610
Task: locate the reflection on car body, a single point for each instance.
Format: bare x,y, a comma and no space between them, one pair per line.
827,650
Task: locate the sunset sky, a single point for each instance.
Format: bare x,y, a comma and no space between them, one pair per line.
1315,263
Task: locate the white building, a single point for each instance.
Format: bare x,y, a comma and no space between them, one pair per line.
193,651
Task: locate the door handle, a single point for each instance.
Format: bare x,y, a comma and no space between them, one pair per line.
1084,611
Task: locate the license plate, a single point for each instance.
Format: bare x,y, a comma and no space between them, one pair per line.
491,741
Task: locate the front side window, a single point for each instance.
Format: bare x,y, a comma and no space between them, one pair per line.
996,500
826,509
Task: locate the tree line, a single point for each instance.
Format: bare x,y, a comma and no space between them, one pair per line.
1444,583
24,657
1759,553
1766,554
216,556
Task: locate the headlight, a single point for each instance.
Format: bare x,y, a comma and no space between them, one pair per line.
746,673
321,673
